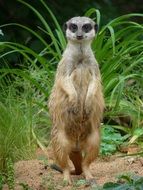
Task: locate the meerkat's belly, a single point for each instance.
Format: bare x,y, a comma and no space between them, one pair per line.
77,129
81,77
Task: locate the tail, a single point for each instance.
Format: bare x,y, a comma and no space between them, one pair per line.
76,158
57,168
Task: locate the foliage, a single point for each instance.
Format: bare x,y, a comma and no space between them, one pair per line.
119,55
111,140
1,181
124,182
10,174
7,176
118,49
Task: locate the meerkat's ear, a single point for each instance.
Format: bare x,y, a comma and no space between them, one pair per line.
65,26
96,27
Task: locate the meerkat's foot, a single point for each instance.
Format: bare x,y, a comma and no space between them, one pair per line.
88,175
67,177
90,180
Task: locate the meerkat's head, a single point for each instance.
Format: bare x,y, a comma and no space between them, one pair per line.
79,29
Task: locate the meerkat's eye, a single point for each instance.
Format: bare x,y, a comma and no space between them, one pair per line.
73,27
87,27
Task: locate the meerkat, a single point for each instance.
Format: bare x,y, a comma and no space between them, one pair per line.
76,102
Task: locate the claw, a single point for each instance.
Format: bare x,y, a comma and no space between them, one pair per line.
86,114
73,110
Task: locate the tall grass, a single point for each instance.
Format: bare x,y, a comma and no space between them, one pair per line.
23,120
16,139
118,48
119,51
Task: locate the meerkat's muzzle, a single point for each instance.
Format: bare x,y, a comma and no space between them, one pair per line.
80,37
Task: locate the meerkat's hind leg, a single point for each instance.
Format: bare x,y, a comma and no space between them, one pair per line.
91,153
63,163
63,167
61,152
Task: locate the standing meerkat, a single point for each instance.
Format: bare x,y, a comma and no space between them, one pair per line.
76,102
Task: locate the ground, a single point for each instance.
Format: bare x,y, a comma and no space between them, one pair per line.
39,176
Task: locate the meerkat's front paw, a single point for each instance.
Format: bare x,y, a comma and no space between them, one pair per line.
87,109
73,105
73,108
86,114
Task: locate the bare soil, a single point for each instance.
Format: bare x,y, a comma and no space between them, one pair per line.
39,176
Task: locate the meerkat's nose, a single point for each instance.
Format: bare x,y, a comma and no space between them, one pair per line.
79,37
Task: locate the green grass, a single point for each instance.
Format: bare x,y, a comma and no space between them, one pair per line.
24,122
16,133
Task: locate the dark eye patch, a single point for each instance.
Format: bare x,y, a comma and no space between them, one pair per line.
87,28
73,27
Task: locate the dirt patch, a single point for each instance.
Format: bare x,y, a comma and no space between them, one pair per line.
39,176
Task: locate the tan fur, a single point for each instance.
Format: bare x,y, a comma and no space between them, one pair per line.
76,106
